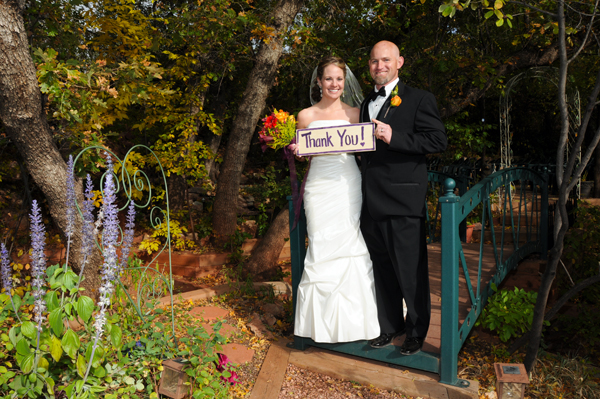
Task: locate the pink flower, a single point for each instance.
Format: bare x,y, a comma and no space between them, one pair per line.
222,366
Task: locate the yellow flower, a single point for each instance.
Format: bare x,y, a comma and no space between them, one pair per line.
396,100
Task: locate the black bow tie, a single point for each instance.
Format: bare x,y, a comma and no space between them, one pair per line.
374,94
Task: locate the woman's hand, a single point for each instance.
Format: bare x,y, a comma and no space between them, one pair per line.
294,149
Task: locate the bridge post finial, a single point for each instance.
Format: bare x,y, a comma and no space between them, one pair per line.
449,187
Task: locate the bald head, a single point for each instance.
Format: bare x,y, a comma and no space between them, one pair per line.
385,62
384,45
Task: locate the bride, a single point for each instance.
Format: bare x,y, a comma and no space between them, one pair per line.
336,295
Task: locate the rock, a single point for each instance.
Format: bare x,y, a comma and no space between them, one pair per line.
238,353
197,191
208,312
270,319
274,309
258,328
250,227
197,205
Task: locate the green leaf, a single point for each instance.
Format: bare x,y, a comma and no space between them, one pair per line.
96,389
13,334
56,321
28,329
116,336
488,14
85,307
56,349
100,372
98,354
81,366
23,347
52,301
70,343
500,22
50,385
27,363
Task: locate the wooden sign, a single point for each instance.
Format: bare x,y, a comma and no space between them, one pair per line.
357,137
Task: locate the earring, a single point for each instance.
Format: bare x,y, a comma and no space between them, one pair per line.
321,91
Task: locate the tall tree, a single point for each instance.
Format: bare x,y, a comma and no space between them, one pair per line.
26,125
574,27
252,103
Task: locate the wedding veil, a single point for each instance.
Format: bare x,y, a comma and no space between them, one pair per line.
352,91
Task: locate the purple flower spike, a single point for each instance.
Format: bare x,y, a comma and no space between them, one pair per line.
87,236
7,276
128,239
110,235
6,273
38,263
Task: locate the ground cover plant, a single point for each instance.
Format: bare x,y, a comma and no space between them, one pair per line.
59,341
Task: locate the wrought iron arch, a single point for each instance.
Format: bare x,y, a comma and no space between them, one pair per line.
551,74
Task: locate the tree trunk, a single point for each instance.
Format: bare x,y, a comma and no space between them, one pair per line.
27,127
597,165
253,102
264,258
566,176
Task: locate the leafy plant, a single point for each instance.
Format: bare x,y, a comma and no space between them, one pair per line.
58,343
509,313
467,140
582,252
158,237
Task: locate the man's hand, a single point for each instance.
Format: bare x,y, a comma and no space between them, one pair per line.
383,131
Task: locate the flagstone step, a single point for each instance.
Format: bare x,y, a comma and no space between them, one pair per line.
208,313
227,330
237,353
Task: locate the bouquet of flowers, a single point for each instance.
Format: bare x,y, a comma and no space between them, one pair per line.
278,131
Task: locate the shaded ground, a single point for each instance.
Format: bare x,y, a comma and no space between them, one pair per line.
556,375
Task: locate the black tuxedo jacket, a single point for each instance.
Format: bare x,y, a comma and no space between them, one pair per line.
394,177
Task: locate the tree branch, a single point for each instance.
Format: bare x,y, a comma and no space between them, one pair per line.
533,8
519,342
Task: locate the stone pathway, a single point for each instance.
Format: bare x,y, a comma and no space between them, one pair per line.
209,315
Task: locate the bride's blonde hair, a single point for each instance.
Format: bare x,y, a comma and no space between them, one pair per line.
325,62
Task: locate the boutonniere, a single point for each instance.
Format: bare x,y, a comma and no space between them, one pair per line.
395,101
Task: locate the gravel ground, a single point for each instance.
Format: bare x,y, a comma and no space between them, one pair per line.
303,384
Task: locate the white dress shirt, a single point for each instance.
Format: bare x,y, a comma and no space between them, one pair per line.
375,105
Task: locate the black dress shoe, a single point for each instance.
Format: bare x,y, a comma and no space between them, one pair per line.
411,346
385,339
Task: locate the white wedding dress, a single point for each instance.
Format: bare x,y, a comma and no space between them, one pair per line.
336,295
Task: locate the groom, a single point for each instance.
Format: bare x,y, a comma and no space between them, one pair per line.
394,184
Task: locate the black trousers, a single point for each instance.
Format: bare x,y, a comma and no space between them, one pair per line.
398,250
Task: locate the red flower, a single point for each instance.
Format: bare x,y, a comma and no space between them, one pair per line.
270,121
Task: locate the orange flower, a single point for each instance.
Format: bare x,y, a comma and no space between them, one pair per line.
396,100
281,116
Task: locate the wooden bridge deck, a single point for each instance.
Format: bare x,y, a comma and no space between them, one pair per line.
471,251
408,381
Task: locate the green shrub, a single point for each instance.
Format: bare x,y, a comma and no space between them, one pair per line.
509,313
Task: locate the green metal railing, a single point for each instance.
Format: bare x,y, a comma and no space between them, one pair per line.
514,221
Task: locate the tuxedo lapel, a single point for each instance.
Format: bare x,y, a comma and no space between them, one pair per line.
386,112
